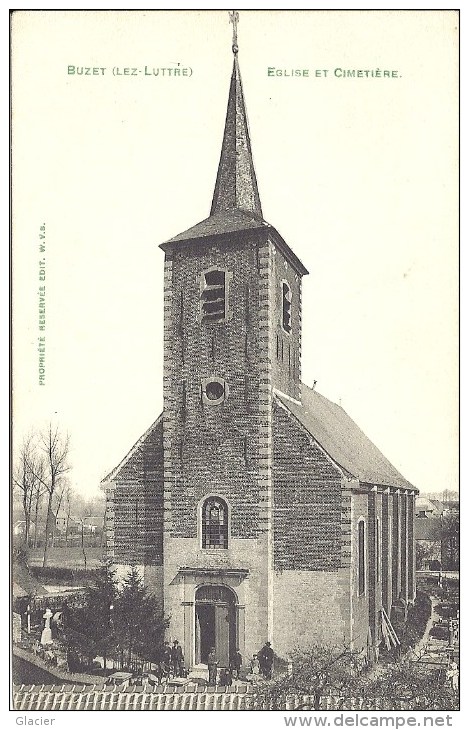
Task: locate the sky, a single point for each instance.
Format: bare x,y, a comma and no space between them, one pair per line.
359,175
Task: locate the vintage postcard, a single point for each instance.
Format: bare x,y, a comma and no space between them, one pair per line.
235,361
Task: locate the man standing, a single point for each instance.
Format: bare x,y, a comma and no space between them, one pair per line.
177,659
236,661
266,660
212,662
165,662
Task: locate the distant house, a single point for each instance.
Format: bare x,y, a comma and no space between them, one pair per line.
425,507
437,543
429,507
74,525
19,528
428,543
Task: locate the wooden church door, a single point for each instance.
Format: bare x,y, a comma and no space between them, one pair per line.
215,613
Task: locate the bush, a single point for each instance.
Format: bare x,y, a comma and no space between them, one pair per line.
412,630
64,576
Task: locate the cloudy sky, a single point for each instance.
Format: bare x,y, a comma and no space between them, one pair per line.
359,175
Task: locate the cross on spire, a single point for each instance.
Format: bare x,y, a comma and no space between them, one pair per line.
234,19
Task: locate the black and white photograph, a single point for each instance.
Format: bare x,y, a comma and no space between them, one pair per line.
235,292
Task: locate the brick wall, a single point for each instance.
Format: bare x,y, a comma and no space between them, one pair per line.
212,449
307,500
134,514
286,354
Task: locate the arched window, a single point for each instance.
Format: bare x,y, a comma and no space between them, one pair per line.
215,523
361,557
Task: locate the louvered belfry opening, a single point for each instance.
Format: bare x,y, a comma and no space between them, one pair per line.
214,296
286,307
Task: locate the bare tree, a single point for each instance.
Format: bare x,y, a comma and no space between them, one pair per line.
315,672
68,499
39,492
27,478
59,495
55,448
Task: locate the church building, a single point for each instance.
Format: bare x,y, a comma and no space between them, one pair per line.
255,508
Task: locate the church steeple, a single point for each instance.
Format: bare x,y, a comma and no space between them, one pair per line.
236,184
236,206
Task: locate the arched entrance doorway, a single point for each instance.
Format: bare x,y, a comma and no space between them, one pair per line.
215,623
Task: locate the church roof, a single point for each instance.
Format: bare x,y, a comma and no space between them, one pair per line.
427,528
343,440
230,221
236,184
236,204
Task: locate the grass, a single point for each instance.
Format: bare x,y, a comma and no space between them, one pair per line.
66,557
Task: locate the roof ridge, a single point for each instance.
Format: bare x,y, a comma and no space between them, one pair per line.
131,451
344,441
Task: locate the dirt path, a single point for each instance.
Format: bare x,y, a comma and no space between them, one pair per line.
421,645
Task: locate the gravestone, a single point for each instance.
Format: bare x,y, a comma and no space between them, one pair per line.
46,636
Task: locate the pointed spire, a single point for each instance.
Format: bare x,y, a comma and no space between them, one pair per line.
236,185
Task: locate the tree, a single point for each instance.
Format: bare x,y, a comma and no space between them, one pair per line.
55,448
450,540
413,685
91,629
409,684
138,619
27,478
315,672
427,551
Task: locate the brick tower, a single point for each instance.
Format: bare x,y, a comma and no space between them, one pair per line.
232,336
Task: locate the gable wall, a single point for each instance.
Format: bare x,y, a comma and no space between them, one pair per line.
134,512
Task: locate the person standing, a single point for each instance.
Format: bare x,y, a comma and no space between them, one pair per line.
255,666
452,676
212,662
177,659
266,660
236,661
166,659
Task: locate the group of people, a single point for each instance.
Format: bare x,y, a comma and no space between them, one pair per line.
171,664
261,664
172,660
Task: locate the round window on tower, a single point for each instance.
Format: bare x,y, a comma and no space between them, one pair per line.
214,391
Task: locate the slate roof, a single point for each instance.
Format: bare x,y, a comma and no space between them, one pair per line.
236,204
343,440
428,528
226,221
236,184
113,473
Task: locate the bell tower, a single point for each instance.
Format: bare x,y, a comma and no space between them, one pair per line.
232,325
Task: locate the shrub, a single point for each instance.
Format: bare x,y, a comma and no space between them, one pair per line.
64,576
412,630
